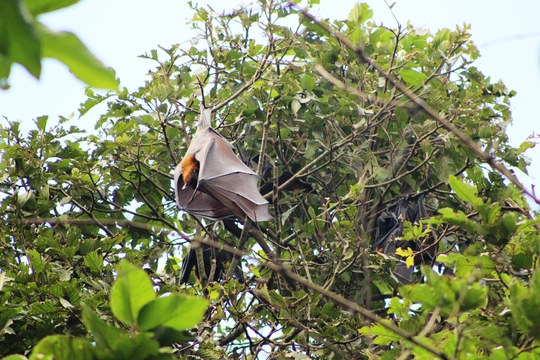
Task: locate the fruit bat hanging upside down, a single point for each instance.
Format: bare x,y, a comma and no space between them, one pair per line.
390,229
212,182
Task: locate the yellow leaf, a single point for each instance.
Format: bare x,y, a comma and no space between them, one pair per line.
408,254
410,261
401,252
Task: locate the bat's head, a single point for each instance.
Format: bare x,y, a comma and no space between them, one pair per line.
190,171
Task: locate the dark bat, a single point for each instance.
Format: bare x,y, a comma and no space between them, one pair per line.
390,227
415,213
211,181
222,258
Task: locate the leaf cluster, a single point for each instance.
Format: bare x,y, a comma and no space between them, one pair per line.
155,323
27,41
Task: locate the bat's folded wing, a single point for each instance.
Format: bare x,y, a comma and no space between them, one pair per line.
197,202
239,192
226,178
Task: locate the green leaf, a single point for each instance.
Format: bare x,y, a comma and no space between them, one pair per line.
19,41
509,226
384,287
381,335
175,311
475,297
400,307
412,77
307,82
139,347
26,198
525,146
167,336
464,191
5,69
360,13
41,122
67,48
63,347
94,261
35,261
37,7
277,299
47,307
311,149
104,334
15,357
466,265
459,219
210,354
490,212
525,305
420,293
522,260
130,292
92,100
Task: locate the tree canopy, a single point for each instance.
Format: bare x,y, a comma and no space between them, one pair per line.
344,120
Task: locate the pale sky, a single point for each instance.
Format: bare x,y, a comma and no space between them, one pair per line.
508,36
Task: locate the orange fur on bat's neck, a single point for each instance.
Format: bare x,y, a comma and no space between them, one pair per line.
190,171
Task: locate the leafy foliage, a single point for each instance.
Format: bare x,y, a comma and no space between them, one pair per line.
26,41
152,316
295,92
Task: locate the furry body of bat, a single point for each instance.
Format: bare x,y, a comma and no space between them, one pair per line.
222,259
390,227
211,181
